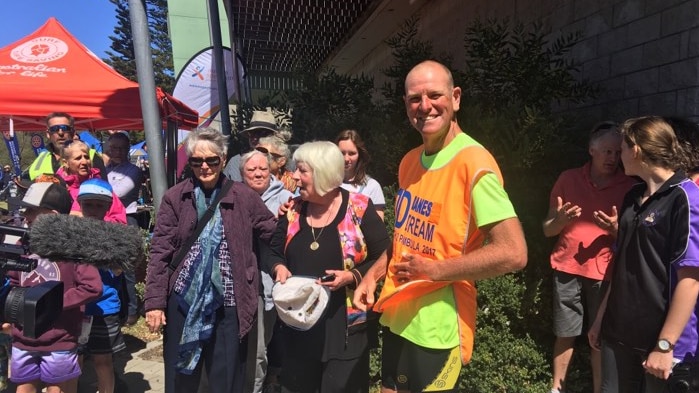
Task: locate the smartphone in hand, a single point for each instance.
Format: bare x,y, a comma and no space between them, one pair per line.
327,278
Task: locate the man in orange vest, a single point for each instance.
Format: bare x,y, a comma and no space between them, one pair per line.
450,200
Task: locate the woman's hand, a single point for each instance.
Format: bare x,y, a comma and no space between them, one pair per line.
342,278
284,207
659,364
155,319
281,273
593,334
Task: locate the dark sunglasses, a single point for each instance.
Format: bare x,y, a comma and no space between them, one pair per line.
197,162
60,127
264,150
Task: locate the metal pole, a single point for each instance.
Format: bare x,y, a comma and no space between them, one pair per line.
152,124
233,147
215,31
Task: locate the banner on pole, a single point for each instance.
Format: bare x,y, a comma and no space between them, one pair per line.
37,143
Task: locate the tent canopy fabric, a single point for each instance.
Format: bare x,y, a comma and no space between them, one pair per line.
51,71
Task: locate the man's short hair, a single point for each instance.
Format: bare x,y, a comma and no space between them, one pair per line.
71,120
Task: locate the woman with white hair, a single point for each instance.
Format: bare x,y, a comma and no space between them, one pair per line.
329,232
255,170
202,283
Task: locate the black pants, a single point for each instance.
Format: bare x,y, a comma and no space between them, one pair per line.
303,375
223,357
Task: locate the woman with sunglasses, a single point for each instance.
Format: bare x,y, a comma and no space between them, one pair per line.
356,179
332,233
203,287
76,167
280,157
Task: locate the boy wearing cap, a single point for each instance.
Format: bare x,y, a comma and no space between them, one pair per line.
95,199
51,359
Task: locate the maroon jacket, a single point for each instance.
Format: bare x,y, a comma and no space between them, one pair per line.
81,285
245,219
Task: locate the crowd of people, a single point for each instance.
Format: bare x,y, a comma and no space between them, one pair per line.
264,266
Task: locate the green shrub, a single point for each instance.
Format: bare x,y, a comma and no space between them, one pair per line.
513,75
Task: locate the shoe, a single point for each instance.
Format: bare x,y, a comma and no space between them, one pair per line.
131,320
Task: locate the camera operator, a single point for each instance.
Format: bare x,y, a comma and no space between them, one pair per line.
51,359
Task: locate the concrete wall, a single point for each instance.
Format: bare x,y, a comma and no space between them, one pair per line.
644,54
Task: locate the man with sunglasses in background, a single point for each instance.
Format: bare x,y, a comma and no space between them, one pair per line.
60,128
262,124
582,213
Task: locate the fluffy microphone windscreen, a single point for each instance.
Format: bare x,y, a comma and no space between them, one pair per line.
62,237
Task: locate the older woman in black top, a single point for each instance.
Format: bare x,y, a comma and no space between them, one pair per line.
328,230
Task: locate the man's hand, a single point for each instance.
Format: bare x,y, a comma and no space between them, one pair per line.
609,223
155,319
559,216
567,211
414,267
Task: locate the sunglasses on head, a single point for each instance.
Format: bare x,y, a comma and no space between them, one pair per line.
60,127
607,125
266,151
197,162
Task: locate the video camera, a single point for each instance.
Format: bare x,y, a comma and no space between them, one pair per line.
32,309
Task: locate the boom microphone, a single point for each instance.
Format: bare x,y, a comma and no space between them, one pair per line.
66,238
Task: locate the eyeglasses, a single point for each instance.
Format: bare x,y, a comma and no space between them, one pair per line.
266,151
60,127
212,162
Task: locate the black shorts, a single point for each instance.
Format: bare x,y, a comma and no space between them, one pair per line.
105,335
407,366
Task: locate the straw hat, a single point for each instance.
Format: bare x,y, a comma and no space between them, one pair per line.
262,120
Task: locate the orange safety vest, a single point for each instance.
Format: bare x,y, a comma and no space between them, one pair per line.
434,218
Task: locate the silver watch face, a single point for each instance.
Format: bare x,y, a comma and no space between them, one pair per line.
664,345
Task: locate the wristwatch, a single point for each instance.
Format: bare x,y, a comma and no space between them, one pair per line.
665,346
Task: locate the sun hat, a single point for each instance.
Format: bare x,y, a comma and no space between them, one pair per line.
95,189
300,301
49,196
262,120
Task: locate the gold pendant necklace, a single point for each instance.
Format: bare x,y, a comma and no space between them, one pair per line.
314,244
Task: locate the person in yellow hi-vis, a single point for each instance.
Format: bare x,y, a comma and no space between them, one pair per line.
454,224
60,128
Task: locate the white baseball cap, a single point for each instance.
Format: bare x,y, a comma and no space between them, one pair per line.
300,301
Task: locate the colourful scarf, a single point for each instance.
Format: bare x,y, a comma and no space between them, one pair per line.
199,288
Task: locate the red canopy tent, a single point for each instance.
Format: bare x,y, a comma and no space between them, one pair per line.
50,70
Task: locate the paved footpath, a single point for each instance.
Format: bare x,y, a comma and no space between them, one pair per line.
139,375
